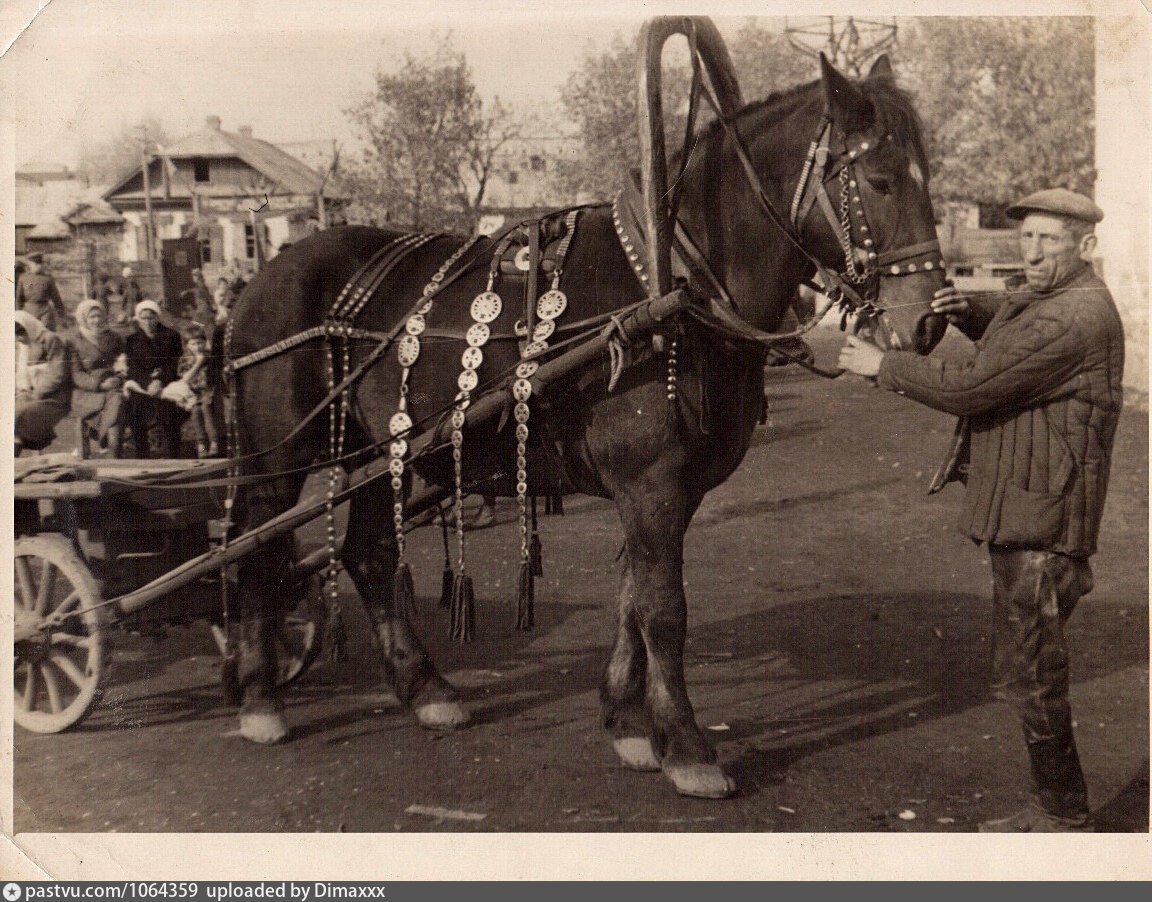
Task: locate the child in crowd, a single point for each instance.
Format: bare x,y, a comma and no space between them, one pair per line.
194,372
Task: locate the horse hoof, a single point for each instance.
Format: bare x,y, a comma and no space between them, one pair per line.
441,715
704,781
264,728
635,753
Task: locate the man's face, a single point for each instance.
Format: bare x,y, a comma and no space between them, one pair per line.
1050,249
148,321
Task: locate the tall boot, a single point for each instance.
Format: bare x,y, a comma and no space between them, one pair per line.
1058,778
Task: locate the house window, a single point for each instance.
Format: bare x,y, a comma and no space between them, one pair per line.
200,170
205,250
513,176
249,241
537,163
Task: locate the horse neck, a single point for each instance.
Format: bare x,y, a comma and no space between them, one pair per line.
753,258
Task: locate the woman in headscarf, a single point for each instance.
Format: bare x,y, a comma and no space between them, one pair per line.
97,382
43,382
153,357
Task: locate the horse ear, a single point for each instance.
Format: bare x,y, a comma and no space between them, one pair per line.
882,68
843,101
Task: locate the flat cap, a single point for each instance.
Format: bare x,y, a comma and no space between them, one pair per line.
1058,202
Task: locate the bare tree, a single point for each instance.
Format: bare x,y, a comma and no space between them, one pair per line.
111,159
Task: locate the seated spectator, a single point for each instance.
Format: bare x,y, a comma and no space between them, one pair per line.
96,396
153,352
199,394
43,382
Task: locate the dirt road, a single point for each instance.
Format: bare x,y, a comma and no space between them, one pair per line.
838,655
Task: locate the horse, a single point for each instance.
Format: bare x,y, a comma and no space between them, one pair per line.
674,424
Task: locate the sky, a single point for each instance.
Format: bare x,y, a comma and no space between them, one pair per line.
84,69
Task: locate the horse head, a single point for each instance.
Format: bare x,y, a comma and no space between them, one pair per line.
836,184
884,210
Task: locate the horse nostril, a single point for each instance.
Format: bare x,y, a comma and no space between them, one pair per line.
929,330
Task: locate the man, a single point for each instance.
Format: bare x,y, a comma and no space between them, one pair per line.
37,293
1040,400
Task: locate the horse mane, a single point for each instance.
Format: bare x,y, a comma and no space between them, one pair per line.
893,107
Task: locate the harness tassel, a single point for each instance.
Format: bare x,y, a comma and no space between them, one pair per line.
463,613
404,592
526,598
535,549
447,576
335,636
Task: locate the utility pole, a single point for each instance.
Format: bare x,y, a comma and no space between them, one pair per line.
145,161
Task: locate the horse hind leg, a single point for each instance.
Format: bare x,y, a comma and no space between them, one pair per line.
370,556
265,578
622,691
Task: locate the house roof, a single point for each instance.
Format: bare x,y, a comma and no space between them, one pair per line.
46,206
287,173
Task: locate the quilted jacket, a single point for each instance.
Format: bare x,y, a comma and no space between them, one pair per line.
1040,401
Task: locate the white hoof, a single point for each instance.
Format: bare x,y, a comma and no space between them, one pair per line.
264,728
441,716
704,781
635,753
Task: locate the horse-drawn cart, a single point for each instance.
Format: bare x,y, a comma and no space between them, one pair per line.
90,535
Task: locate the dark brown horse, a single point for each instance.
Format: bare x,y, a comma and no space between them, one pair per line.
653,451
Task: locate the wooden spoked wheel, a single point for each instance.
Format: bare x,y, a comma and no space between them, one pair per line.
59,660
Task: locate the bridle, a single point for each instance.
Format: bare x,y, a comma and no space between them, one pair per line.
857,287
850,219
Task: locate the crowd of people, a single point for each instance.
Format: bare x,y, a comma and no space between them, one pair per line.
131,379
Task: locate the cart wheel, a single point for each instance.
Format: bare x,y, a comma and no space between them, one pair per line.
301,635
58,668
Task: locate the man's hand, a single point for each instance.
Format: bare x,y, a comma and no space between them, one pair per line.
110,383
953,305
860,357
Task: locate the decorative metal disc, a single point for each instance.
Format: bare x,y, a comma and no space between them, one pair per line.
478,335
486,306
408,350
468,380
457,439
521,488
396,466
458,419
471,358
399,448
423,309
462,400
430,287
551,304
527,369
523,259
397,484
415,325
521,432
522,390
521,412
521,328
535,347
543,330
399,423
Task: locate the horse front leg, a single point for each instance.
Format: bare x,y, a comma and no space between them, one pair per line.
655,514
622,692
370,556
